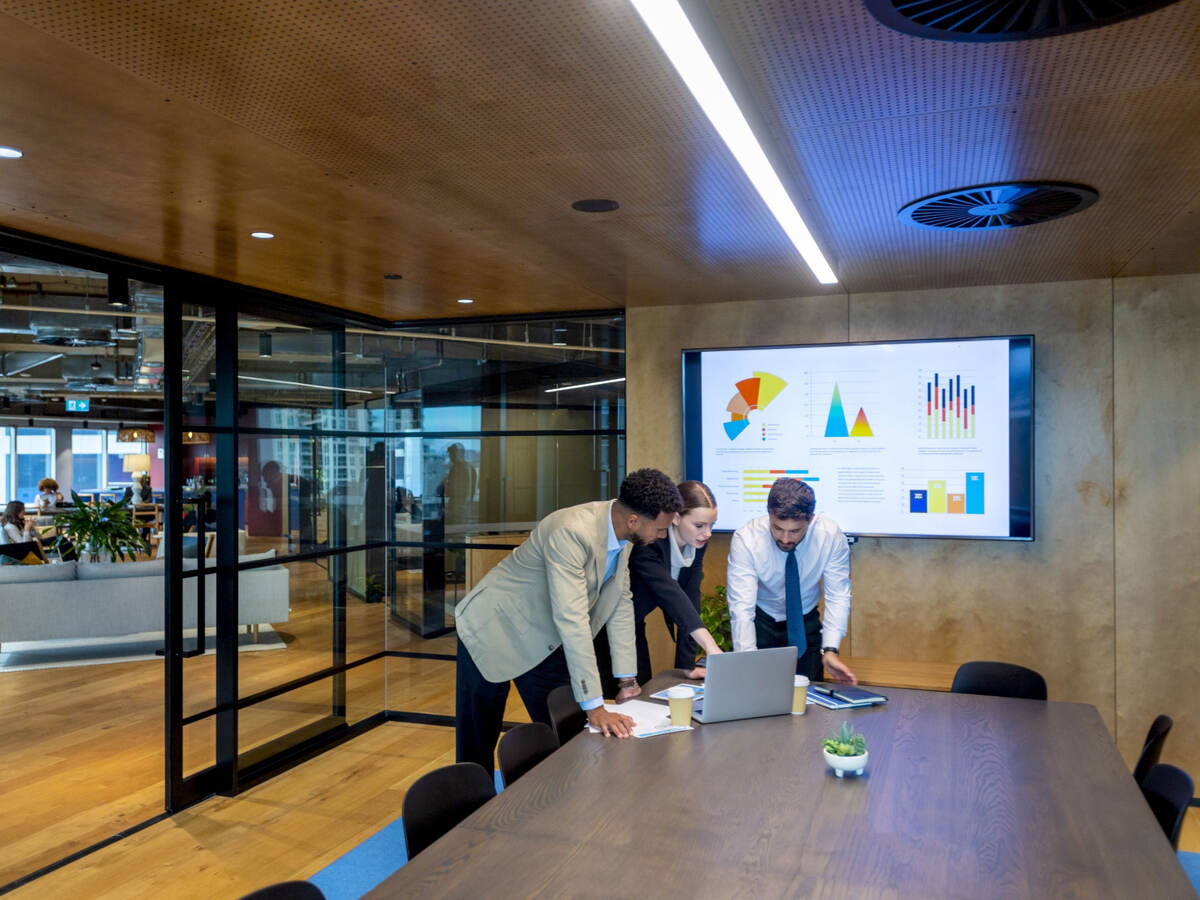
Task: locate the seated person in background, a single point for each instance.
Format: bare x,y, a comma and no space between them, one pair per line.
142,492
48,494
776,563
14,527
666,574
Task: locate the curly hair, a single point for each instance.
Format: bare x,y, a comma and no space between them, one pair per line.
649,493
47,484
791,498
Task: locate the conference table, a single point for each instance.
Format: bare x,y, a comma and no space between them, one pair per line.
963,796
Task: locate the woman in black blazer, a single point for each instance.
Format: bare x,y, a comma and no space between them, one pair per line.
666,574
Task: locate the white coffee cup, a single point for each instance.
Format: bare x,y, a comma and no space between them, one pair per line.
800,696
680,698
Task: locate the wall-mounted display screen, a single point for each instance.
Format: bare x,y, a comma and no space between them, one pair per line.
901,439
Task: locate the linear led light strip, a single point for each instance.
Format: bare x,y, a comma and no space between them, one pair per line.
575,387
320,387
674,33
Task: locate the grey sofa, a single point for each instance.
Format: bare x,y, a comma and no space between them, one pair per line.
81,600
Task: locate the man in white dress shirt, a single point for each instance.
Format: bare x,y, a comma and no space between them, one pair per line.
777,565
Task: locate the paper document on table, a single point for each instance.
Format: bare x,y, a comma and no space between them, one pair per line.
649,719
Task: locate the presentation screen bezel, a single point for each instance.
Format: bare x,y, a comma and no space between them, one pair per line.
1020,435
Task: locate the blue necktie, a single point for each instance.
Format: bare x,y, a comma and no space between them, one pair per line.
795,607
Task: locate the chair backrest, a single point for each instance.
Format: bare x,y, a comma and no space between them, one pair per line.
1168,790
566,716
523,747
999,680
287,890
1152,749
441,799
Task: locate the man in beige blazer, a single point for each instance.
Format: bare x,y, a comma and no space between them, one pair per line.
532,619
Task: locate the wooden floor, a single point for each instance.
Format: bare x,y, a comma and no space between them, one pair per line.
289,827
81,748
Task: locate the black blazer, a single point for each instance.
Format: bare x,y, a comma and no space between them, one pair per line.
652,585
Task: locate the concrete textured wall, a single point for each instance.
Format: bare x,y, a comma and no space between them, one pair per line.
1091,603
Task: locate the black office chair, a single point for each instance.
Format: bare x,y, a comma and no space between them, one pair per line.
999,680
522,748
287,890
1152,749
441,799
568,719
1168,790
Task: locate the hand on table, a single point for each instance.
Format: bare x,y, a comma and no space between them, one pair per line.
698,673
837,669
610,722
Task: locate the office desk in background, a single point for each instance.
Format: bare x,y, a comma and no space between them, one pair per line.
964,796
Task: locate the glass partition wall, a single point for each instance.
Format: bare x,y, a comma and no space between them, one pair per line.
325,490
362,480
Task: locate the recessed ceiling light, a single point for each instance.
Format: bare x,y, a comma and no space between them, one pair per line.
678,39
595,205
10,153
262,235
465,300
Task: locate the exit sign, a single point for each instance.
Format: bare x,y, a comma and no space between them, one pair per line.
74,405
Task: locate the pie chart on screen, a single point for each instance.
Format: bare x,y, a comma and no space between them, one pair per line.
752,393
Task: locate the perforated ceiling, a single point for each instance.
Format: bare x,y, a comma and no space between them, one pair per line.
446,141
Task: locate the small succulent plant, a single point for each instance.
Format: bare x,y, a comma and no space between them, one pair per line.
846,742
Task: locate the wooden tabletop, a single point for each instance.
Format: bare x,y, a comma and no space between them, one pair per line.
964,796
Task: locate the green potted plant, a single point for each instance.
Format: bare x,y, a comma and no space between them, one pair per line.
714,613
845,751
105,530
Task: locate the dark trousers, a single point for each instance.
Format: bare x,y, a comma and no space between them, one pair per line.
479,709
608,682
770,633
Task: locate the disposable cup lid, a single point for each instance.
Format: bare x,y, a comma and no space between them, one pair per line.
801,681
680,692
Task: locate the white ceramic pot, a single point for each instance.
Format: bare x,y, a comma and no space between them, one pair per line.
843,764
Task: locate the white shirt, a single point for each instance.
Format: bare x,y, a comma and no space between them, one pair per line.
14,534
681,557
755,578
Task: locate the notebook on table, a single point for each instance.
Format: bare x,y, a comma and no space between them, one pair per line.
747,684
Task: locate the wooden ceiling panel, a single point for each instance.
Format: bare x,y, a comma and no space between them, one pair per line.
446,141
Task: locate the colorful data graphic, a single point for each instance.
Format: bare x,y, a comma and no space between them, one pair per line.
752,393
852,421
756,483
935,499
949,408
835,425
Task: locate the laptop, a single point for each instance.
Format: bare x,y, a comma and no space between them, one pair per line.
747,684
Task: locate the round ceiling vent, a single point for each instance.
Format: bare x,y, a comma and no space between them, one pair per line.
75,337
1004,20
998,205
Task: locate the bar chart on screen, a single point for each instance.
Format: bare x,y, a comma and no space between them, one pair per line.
947,406
939,495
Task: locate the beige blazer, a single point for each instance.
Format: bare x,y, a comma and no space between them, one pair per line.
546,594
